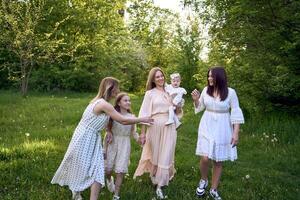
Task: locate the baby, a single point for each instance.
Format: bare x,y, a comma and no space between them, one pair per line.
177,93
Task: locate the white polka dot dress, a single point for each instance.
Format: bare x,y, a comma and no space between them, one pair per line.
83,163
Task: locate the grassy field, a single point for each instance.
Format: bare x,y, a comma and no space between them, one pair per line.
35,132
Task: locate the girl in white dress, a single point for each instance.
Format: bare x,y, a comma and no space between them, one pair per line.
218,131
118,145
83,163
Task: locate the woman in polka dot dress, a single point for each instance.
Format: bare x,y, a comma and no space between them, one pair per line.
83,164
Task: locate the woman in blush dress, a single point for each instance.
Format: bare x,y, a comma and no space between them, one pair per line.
159,139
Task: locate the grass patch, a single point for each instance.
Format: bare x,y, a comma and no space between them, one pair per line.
35,133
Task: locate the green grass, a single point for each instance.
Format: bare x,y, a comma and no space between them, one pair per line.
35,133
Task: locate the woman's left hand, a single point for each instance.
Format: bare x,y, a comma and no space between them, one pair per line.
234,139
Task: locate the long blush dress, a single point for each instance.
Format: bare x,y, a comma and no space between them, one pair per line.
159,150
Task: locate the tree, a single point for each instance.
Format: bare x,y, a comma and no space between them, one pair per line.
259,43
21,20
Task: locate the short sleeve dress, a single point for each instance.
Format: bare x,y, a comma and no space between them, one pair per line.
118,152
83,163
216,126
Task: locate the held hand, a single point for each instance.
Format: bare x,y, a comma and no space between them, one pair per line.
173,95
234,139
195,95
142,139
109,138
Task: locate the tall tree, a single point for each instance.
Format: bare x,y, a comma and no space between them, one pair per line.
259,42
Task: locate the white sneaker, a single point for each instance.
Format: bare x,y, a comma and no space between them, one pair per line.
115,197
214,194
200,191
110,184
76,196
159,193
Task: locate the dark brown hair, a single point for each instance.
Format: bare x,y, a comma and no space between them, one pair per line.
220,82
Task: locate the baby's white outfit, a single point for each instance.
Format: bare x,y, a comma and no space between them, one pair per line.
179,91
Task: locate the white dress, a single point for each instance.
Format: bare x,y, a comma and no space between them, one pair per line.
216,126
118,152
83,163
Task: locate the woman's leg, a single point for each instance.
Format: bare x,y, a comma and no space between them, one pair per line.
217,171
118,183
95,189
204,165
159,192
108,174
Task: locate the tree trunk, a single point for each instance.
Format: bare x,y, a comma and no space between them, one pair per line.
25,72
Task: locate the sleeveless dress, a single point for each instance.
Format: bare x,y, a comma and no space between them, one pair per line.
83,163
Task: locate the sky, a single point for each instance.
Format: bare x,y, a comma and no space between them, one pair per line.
170,4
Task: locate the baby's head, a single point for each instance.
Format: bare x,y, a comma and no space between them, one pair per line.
175,80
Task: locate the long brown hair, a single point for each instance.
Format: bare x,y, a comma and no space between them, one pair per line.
106,88
150,82
220,82
118,99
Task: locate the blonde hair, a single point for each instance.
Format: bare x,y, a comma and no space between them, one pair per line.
106,88
150,82
175,75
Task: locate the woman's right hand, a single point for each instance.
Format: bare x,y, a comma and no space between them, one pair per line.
147,120
195,95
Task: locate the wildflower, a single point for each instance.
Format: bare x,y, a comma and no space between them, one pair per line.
247,176
27,134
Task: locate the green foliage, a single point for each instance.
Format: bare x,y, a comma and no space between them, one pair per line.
259,43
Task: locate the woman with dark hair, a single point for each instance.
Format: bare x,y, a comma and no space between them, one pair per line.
83,164
160,139
218,131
